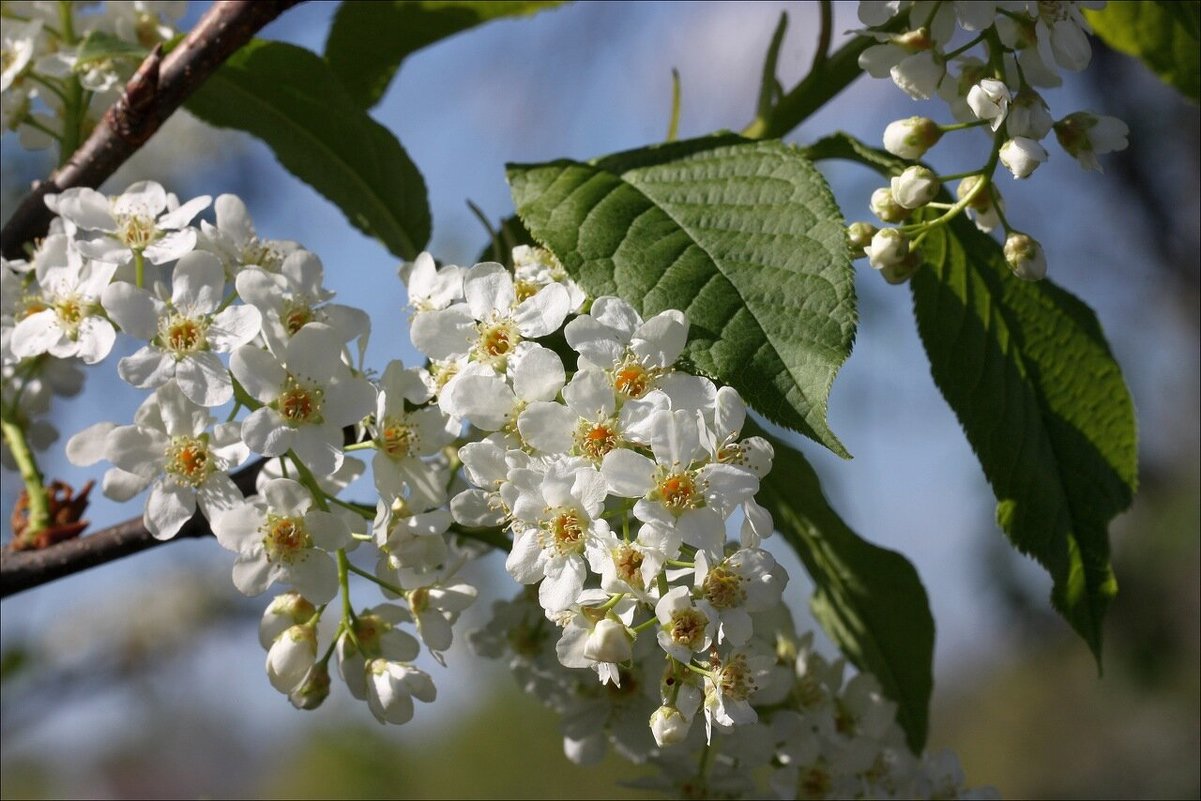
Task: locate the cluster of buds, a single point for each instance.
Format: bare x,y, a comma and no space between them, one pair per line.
1024,46
52,89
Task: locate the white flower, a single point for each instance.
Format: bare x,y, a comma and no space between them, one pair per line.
1028,116
404,437
1022,156
17,45
1063,32
874,13
170,449
919,75
72,322
307,398
486,399
635,354
1025,257
669,726
235,241
911,138
184,334
286,610
430,288
1085,135
728,691
749,580
989,100
373,635
492,322
294,297
434,610
915,187
279,537
411,542
391,688
686,626
535,267
561,514
143,219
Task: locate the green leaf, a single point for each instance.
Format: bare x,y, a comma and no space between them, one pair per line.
287,96
1165,35
100,46
744,237
1028,373
868,599
370,38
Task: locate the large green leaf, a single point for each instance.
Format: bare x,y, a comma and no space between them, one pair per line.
1165,35
1027,370
744,237
868,599
370,38
287,96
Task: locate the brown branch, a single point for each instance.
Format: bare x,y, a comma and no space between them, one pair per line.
23,570
159,87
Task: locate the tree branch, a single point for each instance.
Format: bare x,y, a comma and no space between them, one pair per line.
157,89
23,570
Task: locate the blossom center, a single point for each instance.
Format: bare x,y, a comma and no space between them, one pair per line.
678,492
71,311
736,680
566,533
497,339
628,562
632,378
723,588
184,335
297,314
595,439
285,538
688,628
525,290
189,460
299,404
396,438
136,231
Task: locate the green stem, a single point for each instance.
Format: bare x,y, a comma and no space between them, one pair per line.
139,266
35,486
818,88
960,126
344,584
387,585
673,124
961,50
360,446
361,509
825,35
74,108
310,481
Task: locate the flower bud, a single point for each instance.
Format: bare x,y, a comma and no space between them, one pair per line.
981,208
313,691
989,100
1022,156
911,138
903,270
291,657
1028,115
608,642
915,187
889,247
669,726
885,207
1025,256
859,236
285,610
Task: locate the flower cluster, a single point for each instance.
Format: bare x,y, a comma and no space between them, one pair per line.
1025,45
53,88
550,425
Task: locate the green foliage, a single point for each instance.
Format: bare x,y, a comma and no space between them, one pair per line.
744,237
289,98
1165,35
369,38
868,599
1027,371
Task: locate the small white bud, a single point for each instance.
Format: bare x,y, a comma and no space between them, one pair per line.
669,726
989,100
291,657
1028,115
608,642
1022,156
859,236
884,206
911,138
915,187
982,207
313,690
285,611
889,247
1025,256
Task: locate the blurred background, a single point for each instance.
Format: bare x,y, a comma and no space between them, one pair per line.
145,679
